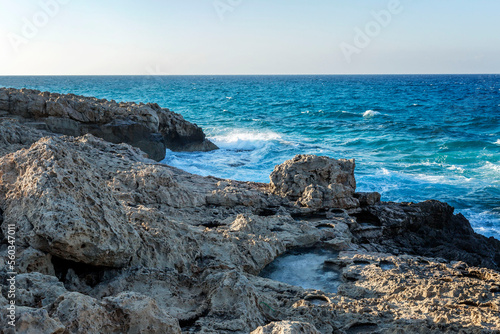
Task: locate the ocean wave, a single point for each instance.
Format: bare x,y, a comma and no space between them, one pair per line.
428,163
244,140
497,142
490,171
370,113
442,179
483,222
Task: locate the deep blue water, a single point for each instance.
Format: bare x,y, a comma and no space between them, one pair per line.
413,137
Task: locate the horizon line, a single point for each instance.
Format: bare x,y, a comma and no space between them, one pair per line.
173,75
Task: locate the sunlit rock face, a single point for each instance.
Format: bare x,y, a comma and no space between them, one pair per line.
316,182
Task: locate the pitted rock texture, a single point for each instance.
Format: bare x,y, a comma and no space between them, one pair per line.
109,241
147,126
316,182
15,136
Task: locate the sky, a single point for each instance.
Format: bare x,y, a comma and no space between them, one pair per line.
189,37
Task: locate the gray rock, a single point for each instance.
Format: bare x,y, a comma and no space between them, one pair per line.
146,126
37,321
316,182
141,314
366,199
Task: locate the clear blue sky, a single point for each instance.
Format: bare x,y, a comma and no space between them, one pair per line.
247,37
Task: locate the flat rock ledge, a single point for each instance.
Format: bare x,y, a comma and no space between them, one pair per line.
109,241
147,126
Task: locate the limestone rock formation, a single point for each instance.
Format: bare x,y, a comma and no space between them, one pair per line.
147,126
15,136
109,241
316,182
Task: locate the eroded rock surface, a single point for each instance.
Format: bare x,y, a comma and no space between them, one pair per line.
109,241
316,182
146,126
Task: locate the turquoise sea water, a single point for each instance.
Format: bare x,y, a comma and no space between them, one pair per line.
413,137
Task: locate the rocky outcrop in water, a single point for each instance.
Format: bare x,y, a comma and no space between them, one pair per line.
147,126
316,182
109,241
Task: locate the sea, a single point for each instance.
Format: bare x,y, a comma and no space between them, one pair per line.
414,137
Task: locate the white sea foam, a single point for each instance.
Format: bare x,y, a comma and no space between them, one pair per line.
442,179
491,171
240,156
497,142
433,164
244,140
483,222
370,113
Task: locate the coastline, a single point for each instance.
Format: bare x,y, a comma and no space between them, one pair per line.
102,232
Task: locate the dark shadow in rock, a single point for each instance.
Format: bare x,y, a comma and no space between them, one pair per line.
88,274
212,224
318,300
189,324
305,267
366,218
495,289
476,274
310,217
362,328
266,212
336,211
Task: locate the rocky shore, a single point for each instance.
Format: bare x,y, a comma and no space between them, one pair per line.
147,126
110,241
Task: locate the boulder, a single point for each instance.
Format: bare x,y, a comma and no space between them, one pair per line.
83,314
316,182
63,206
